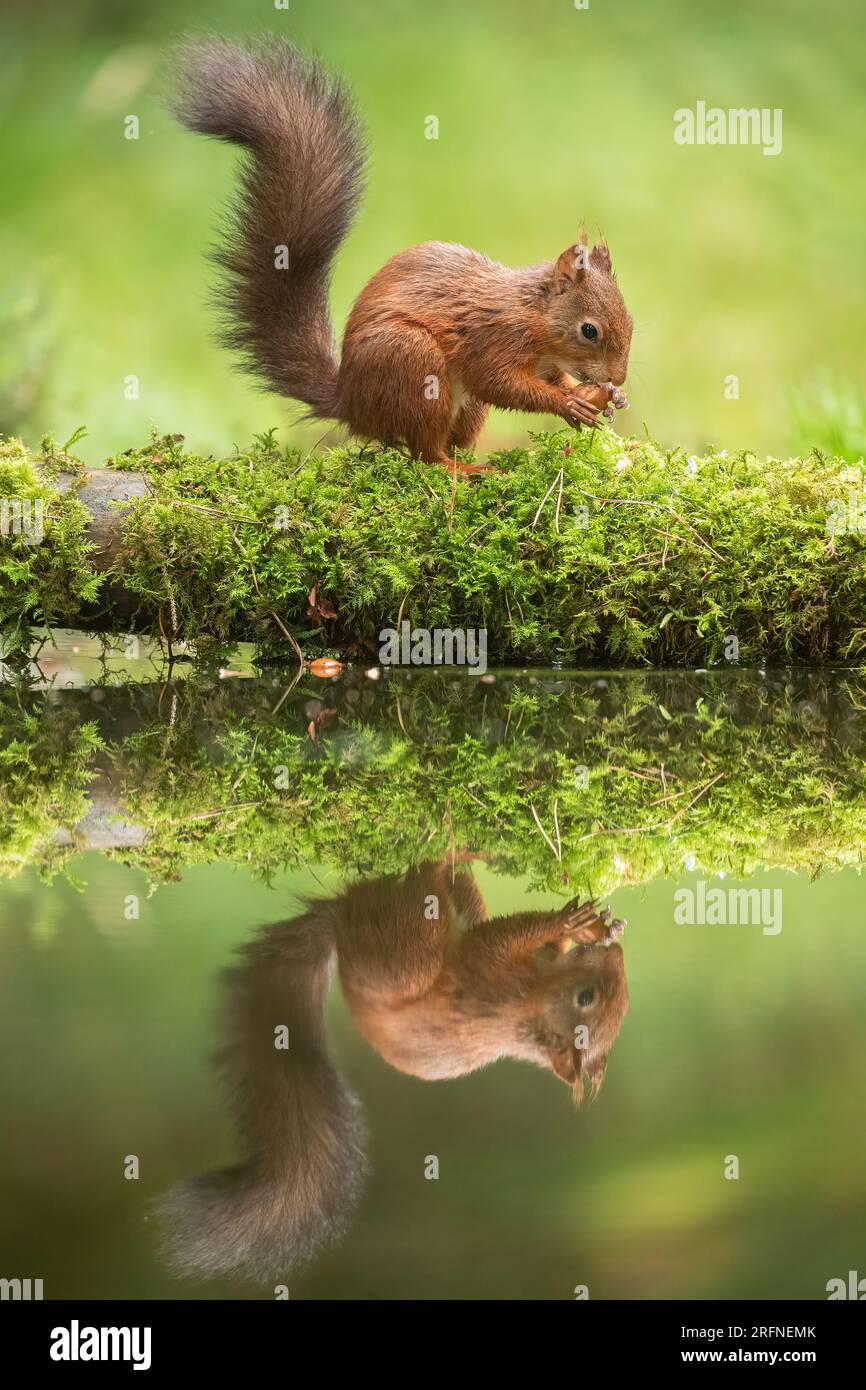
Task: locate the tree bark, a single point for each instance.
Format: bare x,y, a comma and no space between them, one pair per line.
104,826
97,492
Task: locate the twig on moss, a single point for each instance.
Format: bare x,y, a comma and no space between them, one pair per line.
557,852
660,824
544,499
644,502
216,511
285,631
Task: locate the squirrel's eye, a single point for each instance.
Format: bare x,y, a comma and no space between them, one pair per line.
589,331
585,997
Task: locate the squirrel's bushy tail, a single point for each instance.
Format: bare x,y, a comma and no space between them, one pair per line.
301,184
300,1127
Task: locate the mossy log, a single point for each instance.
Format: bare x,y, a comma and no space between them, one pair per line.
588,549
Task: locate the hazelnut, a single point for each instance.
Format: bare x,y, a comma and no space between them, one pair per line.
325,666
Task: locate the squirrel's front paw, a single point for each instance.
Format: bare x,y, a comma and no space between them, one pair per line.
577,412
618,398
581,921
584,923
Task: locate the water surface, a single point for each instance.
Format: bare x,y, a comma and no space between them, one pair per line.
151,828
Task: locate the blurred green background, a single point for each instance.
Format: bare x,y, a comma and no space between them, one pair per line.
735,1043
733,263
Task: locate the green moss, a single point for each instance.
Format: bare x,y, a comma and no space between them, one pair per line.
581,783
48,580
588,548
46,765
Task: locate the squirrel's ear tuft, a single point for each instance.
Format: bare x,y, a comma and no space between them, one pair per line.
599,257
570,267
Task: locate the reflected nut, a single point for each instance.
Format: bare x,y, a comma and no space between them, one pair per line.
325,667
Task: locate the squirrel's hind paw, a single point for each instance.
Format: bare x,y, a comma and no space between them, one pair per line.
467,469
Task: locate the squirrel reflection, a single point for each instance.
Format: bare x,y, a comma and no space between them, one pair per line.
434,1001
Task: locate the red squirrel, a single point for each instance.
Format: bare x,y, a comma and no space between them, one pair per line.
440,333
545,987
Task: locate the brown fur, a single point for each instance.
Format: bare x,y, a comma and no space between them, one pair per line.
301,181
433,1001
440,333
436,1002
